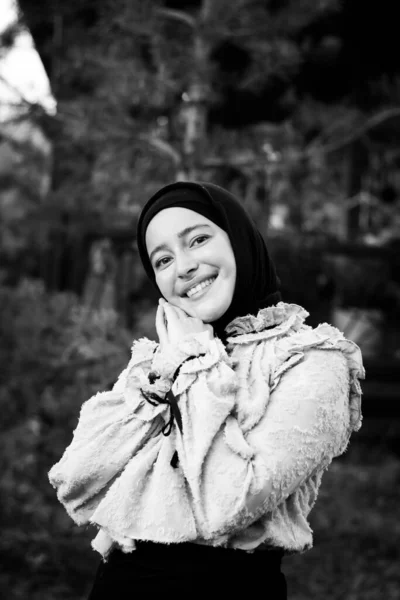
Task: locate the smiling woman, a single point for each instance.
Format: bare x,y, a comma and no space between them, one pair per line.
201,466
194,264
234,250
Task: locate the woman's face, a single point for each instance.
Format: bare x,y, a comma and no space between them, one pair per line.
193,262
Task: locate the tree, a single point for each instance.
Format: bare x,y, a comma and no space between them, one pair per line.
25,151
134,75
142,87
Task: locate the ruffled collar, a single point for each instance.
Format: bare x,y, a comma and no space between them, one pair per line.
282,315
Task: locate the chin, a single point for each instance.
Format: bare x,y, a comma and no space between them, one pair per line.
208,320
210,316
208,312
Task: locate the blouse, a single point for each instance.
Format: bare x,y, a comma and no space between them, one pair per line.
262,418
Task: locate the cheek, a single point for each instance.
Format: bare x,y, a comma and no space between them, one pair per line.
164,284
232,270
231,281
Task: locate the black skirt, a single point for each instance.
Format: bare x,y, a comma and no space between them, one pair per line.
189,571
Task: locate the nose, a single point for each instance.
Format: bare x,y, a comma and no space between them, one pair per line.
186,265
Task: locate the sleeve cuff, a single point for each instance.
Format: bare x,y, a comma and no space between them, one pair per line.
203,349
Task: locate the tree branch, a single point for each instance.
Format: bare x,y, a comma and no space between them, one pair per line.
178,15
374,121
163,147
16,91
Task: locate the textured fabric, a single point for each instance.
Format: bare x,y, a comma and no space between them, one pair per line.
188,570
262,419
257,284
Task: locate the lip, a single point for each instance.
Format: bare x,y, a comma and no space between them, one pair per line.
194,283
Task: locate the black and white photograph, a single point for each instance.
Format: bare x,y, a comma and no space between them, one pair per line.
199,299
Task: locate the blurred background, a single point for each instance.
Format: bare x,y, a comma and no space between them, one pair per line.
294,105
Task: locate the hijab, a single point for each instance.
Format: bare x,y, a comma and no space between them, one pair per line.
257,284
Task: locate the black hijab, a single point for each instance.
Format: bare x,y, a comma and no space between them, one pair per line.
257,284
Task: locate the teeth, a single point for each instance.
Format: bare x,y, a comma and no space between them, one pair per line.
200,286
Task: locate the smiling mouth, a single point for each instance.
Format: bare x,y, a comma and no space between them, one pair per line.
200,288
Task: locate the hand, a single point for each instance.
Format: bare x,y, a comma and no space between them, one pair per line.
173,325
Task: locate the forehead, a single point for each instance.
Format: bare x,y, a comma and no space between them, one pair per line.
168,223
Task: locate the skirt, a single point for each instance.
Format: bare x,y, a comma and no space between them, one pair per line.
189,570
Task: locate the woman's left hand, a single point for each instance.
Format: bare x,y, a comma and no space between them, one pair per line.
173,324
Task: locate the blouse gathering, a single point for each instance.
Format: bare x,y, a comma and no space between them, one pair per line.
262,418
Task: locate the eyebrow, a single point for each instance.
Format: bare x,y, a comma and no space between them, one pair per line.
181,235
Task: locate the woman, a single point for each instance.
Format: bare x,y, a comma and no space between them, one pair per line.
201,466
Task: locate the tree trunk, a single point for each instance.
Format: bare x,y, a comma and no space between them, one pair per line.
356,165
194,110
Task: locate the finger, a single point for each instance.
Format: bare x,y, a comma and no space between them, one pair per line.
171,313
159,320
181,313
164,317
161,327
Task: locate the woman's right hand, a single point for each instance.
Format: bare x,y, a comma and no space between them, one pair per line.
173,325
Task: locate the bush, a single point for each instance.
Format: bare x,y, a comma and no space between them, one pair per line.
54,355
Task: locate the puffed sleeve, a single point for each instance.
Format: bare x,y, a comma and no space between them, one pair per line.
113,427
235,476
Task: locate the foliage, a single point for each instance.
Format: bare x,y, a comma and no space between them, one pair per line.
50,341
54,355
124,73
120,70
355,531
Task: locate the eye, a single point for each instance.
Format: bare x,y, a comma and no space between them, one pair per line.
200,239
162,262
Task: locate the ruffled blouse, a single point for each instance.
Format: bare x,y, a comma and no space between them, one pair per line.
262,418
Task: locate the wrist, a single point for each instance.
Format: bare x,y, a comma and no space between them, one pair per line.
168,359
